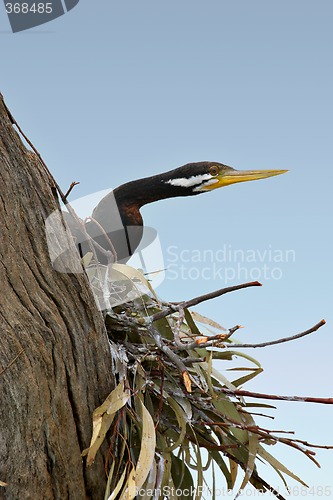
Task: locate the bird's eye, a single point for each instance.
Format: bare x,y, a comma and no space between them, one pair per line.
214,170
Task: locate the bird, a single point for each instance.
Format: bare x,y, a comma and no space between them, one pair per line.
117,217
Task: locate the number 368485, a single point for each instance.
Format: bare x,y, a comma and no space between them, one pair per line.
25,8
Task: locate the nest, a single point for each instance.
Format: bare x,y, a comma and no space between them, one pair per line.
173,415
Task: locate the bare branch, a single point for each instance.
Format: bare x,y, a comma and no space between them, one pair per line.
219,340
73,184
201,298
232,331
285,339
171,354
302,399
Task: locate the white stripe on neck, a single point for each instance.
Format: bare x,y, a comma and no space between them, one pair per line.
194,180
202,187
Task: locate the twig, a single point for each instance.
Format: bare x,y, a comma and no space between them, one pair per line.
250,428
285,339
302,399
160,344
171,354
260,414
12,362
232,331
106,236
192,361
176,329
270,434
202,342
208,421
310,445
73,184
160,404
218,340
201,298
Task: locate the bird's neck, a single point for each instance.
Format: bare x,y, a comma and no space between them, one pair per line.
128,198
143,191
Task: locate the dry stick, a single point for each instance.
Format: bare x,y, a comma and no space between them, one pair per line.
302,399
176,329
12,362
192,361
199,299
218,340
255,474
215,341
268,434
172,355
285,339
310,445
113,250
232,331
73,184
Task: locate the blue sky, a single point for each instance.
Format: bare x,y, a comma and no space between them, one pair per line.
113,91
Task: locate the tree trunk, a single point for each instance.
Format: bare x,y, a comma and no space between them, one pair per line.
55,363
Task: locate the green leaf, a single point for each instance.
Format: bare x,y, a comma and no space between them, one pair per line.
233,472
182,478
225,355
278,465
206,321
181,419
189,320
218,459
200,478
253,446
259,405
245,356
246,378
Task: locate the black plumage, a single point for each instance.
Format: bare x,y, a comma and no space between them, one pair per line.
118,213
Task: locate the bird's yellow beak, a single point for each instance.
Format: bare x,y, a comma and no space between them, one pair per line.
232,176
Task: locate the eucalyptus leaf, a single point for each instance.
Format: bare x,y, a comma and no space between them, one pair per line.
182,478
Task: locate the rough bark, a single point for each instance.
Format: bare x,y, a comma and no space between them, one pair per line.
55,364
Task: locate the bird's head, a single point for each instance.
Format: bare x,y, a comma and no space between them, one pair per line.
195,178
